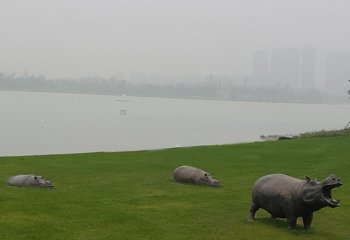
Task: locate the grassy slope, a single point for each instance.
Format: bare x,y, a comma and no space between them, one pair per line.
132,195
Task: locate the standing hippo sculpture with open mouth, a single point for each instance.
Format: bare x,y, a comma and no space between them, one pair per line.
188,174
287,197
29,180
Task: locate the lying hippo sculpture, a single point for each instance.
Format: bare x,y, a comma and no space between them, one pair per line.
287,197
188,174
29,180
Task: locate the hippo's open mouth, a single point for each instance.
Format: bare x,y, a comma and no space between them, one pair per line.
327,193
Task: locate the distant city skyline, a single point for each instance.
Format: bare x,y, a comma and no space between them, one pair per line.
302,68
290,66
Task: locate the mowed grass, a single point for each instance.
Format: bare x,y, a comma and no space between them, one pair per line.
131,195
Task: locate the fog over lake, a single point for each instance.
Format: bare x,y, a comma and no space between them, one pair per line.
50,123
295,43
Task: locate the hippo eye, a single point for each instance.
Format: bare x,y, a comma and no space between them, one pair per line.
333,179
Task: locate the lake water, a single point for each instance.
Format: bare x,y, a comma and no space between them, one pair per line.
50,123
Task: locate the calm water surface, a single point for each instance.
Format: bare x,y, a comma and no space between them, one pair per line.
50,123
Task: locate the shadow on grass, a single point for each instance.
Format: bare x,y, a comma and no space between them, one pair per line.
281,224
195,185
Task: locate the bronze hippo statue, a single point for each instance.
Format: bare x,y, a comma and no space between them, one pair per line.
188,174
288,197
29,180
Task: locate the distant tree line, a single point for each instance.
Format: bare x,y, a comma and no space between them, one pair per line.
220,90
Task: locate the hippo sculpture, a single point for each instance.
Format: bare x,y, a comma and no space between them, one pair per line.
287,197
29,180
188,174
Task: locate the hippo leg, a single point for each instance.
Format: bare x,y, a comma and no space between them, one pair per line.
292,222
291,218
253,208
307,220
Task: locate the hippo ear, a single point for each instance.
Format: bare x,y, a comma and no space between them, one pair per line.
308,179
206,174
35,177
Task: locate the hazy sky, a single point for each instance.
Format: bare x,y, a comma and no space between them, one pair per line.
70,38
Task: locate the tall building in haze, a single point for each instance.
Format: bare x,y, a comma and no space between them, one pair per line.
261,67
337,72
308,68
284,68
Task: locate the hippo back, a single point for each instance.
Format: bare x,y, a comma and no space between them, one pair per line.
187,174
274,184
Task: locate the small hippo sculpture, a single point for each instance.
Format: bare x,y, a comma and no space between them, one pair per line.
287,197
29,180
188,174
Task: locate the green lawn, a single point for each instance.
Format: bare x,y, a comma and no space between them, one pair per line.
131,195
